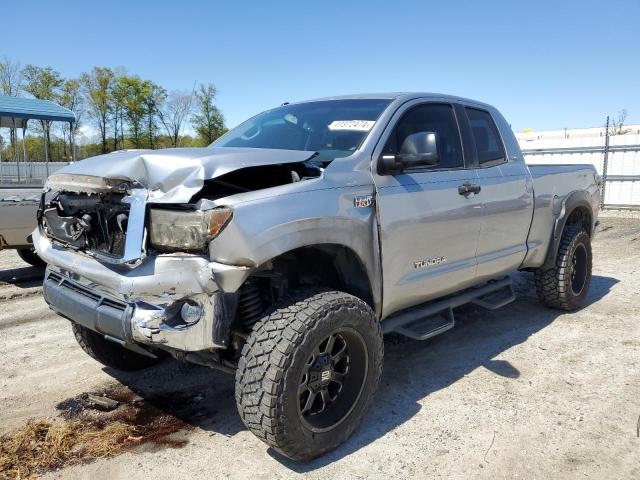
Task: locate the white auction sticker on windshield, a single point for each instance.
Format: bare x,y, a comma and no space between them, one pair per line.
356,125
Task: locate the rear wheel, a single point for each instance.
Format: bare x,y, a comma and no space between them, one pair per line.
308,372
565,285
30,256
109,353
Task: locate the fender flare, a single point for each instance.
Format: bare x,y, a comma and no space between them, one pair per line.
576,199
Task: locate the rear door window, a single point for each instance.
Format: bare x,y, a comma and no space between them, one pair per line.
486,138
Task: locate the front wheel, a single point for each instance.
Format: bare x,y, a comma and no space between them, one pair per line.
308,372
109,353
565,285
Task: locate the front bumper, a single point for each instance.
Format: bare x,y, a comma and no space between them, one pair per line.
141,305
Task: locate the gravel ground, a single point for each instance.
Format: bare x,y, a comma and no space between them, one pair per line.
521,392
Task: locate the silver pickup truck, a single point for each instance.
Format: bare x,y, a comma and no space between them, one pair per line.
286,249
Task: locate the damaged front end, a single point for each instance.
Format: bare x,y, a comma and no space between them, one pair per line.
183,321
108,226
102,277
128,254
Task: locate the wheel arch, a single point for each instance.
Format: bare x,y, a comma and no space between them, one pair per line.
332,265
576,208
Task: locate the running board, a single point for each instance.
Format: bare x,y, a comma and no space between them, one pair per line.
424,328
430,319
498,299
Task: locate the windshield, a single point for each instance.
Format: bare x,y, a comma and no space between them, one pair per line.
333,128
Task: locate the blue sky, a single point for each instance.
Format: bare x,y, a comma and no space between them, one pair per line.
545,64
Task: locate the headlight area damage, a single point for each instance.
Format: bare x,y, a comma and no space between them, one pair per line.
126,238
186,230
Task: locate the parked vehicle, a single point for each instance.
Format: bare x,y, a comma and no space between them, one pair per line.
287,248
20,192
18,208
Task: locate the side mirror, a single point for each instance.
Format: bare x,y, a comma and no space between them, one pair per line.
418,150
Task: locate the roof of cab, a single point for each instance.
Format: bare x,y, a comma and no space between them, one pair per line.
23,109
403,96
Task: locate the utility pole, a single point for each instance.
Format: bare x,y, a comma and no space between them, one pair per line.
605,162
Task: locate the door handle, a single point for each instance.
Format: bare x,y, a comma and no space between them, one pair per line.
468,188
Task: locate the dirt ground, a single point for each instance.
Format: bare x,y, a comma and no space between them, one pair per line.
522,392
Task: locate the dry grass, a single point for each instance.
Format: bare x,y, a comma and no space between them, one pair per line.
41,446
84,433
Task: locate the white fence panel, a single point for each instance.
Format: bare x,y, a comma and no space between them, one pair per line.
25,171
623,161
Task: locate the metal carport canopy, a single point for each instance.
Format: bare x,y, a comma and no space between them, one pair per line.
23,109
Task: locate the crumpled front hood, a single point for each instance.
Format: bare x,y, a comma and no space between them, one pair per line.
172,175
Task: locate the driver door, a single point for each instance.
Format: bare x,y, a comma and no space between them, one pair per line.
429,230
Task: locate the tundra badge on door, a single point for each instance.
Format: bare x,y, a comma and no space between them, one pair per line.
429,262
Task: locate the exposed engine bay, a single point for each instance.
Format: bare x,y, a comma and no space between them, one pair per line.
250,179
95,222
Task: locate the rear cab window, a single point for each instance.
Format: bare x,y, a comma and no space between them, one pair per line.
486,139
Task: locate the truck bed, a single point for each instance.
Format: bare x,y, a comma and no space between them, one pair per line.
552,184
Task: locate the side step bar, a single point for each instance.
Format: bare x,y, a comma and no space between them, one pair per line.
432,318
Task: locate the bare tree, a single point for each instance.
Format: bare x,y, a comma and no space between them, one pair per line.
174,114
10,77
617,126
10,84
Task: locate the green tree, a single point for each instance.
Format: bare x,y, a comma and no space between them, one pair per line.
208,121
154,97
97,87
44,84
71,98
119,95
136,93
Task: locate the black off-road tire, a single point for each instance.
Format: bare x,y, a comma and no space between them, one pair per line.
30,256
557,286
276,355
109,353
